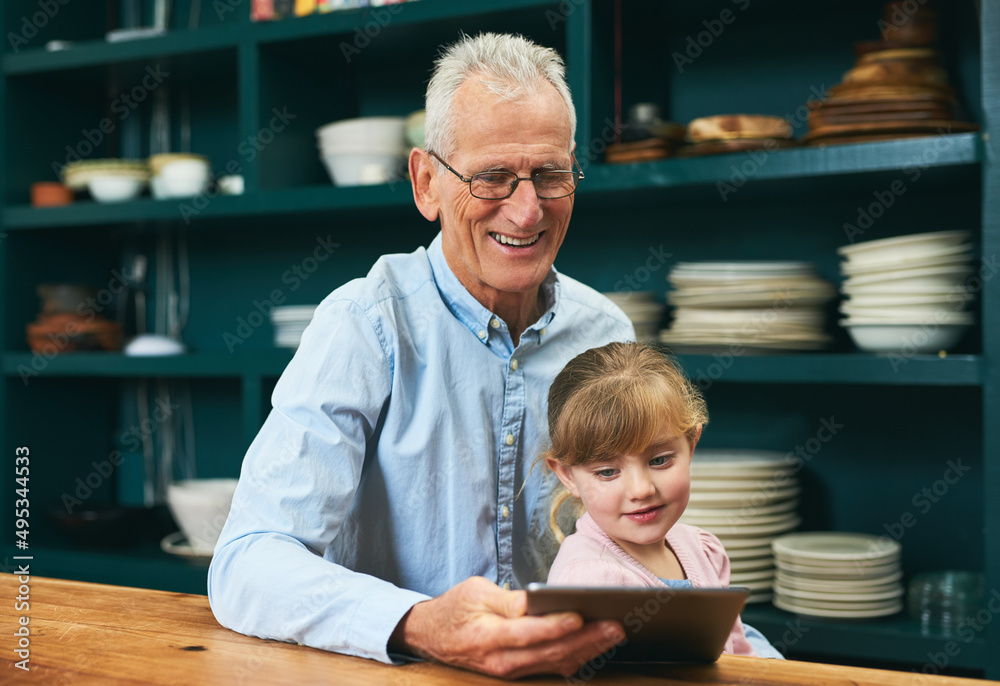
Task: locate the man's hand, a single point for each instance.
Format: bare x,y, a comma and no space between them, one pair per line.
481,627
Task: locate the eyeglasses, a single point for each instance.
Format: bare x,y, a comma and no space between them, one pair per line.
497,185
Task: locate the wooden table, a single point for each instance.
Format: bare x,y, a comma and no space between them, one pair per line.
83,633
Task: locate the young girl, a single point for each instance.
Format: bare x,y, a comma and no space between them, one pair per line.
624,421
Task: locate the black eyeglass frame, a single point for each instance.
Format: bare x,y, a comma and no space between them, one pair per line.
578,176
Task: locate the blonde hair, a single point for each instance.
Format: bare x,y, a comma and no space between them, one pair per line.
615,400
510,65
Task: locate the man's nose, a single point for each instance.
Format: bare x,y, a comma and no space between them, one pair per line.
524,205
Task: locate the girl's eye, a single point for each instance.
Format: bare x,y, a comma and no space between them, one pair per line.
605,473
660,460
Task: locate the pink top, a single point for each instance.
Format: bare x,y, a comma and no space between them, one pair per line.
590,558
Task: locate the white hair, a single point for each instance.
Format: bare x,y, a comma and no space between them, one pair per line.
510,66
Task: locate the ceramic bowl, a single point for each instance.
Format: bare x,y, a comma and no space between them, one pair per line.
376,132
363,168
109,187
200,508
182,178
904,338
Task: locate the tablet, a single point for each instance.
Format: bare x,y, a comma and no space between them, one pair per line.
661,624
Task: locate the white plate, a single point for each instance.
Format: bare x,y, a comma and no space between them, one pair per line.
907,244
177,544
727,458
743,542
747,531
740,499
959,254
847,572
738,578
839,614
836,546
706,521
951,271
749,564
896,591
753,554
881,583
700,484
290,313
952,298
783,507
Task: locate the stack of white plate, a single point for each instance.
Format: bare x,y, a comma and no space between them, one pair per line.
907,293
289,323
755,305
642,309
841,575
747,498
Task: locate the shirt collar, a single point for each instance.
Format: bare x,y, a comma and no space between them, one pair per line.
470,311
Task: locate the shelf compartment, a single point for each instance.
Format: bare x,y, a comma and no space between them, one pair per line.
146,567
912,156
805,164
859,368
346,21
847,368
100,52
896,638
201,365
380,198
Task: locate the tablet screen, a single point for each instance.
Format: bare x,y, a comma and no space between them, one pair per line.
661,624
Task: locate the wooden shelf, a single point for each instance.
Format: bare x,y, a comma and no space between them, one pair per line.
895,638
602,182
269,363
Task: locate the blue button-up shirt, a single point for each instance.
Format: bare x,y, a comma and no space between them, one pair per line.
397,459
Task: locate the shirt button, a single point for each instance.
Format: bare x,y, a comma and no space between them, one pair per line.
482,335
513,365
495,323
506,512
510,439
506,585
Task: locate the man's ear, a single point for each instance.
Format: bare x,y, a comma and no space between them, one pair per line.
562,471
422,175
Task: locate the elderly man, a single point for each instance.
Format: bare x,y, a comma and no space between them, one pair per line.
388,506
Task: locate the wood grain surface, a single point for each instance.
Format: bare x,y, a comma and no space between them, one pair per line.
85,633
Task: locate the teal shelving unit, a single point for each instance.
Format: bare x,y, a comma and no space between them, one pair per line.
902,418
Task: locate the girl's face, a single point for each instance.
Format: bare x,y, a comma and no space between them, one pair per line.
635,498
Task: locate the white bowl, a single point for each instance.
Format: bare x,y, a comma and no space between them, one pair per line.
359,169
377,131
904,338
114,188
909,312
182,178
200,508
